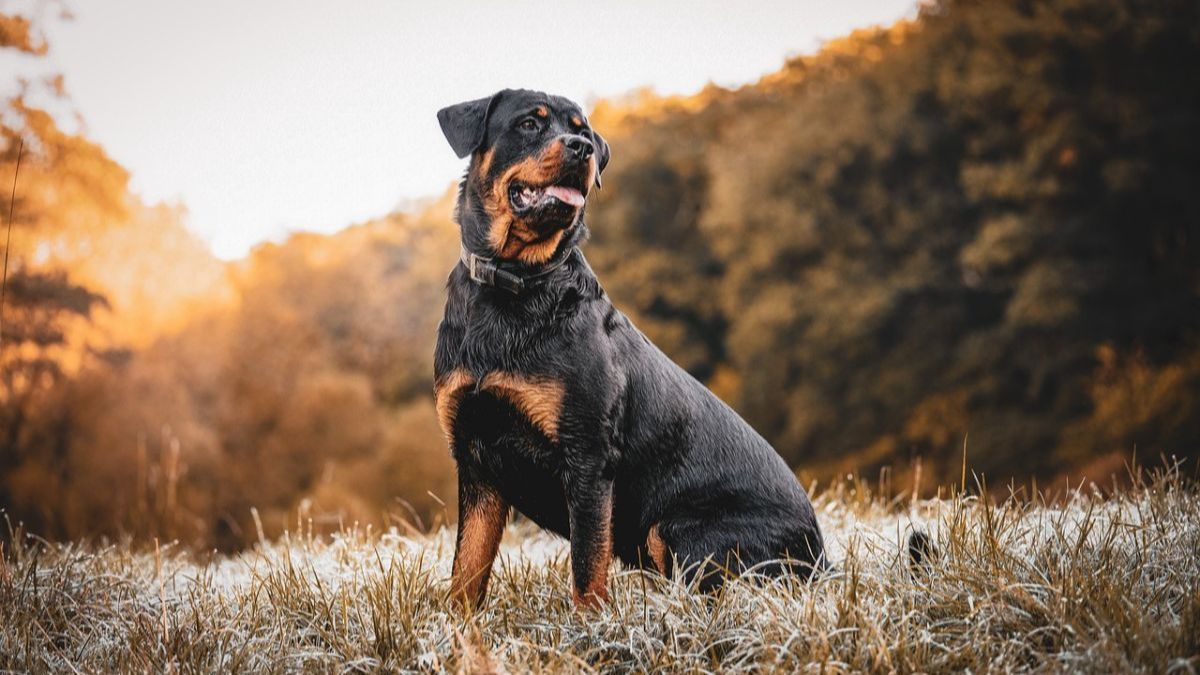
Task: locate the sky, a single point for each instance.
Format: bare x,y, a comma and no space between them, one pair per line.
264,117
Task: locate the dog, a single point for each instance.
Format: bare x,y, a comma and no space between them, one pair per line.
554,404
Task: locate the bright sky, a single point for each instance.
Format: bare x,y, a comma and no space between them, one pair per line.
268,116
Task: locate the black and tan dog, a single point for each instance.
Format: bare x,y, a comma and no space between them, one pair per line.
555,404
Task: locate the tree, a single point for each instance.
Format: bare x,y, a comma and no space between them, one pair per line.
63,179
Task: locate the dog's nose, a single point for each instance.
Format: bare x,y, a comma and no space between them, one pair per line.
579,146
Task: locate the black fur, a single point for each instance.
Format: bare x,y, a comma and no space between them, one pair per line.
464,124
635,432
921,551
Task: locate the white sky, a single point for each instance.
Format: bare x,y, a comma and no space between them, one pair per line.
267,116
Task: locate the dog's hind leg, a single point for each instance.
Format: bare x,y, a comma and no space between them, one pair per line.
709,550
655,554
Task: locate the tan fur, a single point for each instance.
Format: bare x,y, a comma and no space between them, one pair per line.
535,252
593,169
596,592
657,549
539,399
447,393
508,235
480,531
485,163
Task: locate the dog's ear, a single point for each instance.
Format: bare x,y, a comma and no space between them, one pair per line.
602,154
465,124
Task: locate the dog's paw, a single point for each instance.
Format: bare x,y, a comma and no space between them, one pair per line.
590,600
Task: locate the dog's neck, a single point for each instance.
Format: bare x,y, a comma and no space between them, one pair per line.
491,272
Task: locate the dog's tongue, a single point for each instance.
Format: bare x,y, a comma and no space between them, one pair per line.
565,194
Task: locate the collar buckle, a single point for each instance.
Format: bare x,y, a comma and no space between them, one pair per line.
484,273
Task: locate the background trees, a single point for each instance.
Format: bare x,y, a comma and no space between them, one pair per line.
974,223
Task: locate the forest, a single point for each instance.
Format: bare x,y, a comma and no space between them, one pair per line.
970,238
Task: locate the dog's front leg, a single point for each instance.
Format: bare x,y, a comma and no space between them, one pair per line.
589,501
482,513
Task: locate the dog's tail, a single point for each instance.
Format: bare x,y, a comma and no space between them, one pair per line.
921,551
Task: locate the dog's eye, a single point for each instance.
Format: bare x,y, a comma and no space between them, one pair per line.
528,124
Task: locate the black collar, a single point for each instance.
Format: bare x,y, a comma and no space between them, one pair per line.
489,272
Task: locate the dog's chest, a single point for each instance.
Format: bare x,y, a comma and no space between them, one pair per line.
537,399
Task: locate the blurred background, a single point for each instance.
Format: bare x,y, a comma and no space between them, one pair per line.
889,235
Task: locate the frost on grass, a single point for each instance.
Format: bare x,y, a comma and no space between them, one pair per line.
1091,584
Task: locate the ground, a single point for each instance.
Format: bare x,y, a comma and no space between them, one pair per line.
1089,583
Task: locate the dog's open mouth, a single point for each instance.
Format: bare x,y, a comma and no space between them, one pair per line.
529,197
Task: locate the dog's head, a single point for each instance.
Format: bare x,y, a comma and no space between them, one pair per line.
534,159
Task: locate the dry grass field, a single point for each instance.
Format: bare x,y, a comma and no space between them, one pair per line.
1089,583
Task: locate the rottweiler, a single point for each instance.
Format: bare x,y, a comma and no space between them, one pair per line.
553,403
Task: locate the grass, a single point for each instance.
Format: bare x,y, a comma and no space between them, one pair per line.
1092,583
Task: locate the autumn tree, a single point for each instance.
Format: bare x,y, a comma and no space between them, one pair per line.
63,180
955,227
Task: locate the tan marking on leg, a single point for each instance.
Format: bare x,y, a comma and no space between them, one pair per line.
657,548
538,398
447,393
479,534
595,593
